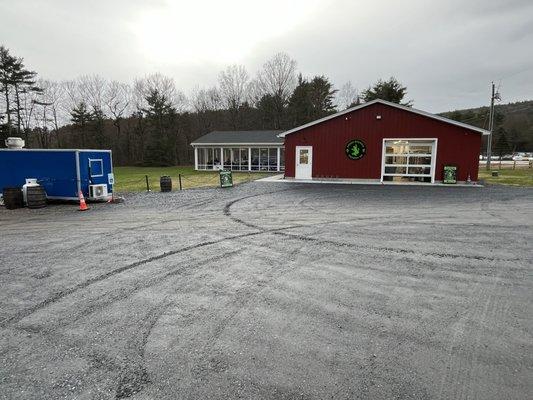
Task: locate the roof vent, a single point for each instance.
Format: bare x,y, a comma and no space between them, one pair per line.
14,143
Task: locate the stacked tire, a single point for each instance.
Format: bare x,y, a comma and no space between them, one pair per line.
12,198
35,197
165,182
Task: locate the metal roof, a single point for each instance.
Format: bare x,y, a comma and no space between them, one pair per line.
239,137
410,109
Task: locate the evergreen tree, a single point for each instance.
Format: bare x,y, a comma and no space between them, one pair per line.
311,100
501,147
321,96
15,81
300,107
161,139
81,117
8,65
390,90
97,124
268,111
23,82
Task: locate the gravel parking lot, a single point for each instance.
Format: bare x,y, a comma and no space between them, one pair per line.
271,291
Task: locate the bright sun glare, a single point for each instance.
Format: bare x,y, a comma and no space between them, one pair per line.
219,31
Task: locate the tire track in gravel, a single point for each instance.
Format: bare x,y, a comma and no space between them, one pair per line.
227,212
461,371
184,206
139,226
207,361
133,375
394,250
82,285
120,294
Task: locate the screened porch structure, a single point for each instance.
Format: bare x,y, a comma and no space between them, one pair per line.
260,151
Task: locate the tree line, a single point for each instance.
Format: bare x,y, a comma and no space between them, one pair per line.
513,126
152,122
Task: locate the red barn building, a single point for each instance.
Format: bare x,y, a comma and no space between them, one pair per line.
383,142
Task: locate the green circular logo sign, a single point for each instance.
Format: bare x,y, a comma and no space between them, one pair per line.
355,149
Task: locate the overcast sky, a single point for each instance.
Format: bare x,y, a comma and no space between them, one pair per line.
446,52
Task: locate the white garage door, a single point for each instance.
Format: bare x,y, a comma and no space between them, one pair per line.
409,160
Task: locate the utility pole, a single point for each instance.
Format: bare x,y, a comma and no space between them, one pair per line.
494,96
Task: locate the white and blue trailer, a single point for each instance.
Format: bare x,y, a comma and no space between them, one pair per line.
62,173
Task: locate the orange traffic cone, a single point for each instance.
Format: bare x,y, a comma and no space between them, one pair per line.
83,206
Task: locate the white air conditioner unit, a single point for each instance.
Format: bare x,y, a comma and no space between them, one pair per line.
98,192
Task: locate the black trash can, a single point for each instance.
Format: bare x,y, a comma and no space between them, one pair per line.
165,182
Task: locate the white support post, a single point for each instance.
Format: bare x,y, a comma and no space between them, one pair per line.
249,158
222,158
278,158
196,158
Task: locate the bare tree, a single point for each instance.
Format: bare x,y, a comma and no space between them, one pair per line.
278,76
277,79
233,88
26,103
347,96
255,93
54,95
40,112
73,96
205,102
91,88
117,98
164,85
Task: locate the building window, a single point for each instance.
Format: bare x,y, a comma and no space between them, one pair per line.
227,159
304,156
272,159
96,168
209,158
236,158
263,160
244,159
255,159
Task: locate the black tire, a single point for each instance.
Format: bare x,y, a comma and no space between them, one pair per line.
165,182
35,197
12,198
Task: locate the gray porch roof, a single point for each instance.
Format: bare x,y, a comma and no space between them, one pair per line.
239,138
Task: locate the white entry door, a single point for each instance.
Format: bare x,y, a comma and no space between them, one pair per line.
304,162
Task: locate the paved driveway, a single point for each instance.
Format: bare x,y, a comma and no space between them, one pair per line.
271,291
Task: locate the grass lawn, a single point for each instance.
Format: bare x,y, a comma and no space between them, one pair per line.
508,176
132,179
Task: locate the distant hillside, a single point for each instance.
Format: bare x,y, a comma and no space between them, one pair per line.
513,127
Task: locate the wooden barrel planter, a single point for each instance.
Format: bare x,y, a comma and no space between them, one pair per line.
166,183
35,197
12,198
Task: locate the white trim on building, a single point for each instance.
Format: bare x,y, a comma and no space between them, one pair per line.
405,108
